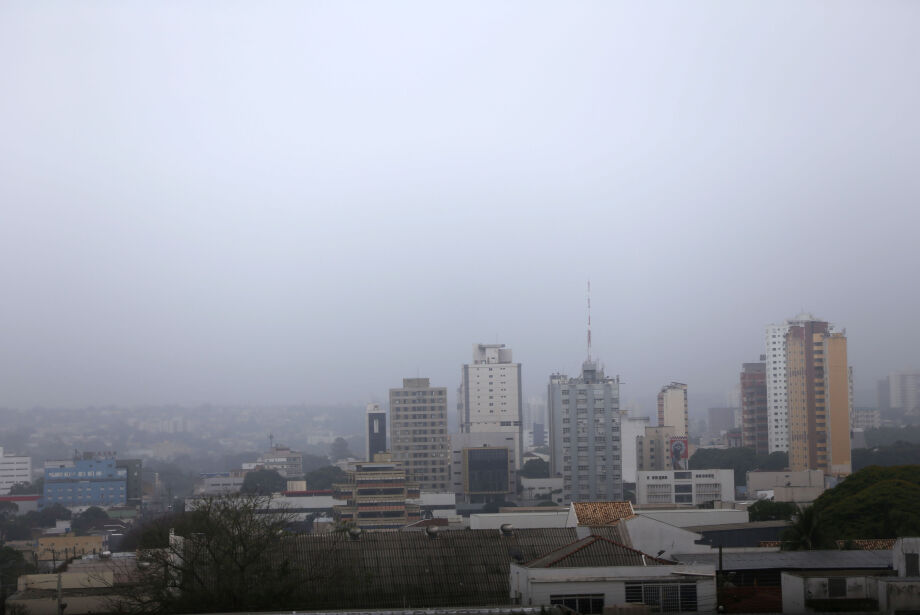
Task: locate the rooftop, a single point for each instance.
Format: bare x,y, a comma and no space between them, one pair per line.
595,551
596,514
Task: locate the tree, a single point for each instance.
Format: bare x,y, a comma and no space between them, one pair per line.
12,566
535,468
8,509
87,519
742,460
768,510
338,450
807,532
34,488
324,478
233,554
263,482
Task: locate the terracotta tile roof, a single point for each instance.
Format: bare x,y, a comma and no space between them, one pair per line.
867,544
602,513
770,543
595,551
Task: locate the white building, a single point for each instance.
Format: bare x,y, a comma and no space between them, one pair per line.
631,427
689,487
13,470
216,483
489,399
584,430
672,408
904,391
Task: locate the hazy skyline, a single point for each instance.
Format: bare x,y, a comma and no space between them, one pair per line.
288,202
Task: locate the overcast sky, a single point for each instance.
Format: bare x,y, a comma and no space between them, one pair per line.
286,202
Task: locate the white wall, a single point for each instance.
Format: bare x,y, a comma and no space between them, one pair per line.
690,517
631,428
651,536
522,520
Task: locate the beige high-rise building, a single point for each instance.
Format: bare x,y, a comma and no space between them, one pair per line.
418,433
652,449
818,384
672,408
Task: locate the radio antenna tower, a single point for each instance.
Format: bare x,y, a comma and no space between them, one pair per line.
589,320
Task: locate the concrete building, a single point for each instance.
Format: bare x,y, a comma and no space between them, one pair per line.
288,463
376,497
376,431
631,429
14,469
585,444
865,418
490,399
721,420
92,479
754,410
418,433
689,487
216,483
653,449
801,487
904,392
134,492
672,408
482,466
818,381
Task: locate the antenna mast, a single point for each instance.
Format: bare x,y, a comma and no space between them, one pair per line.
589,320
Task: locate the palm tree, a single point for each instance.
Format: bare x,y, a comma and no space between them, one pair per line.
806,532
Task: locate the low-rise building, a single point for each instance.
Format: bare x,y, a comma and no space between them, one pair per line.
60,548
93,479
802,487
376,497
686,487
216,483
482,466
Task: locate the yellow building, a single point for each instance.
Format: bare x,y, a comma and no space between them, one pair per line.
62,547
818,381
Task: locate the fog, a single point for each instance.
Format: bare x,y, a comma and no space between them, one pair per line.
296,202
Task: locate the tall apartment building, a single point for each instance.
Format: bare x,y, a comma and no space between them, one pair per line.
653,448
375,497
777,389
904,392
818,381
92,479
754,415
376,426
584,421
631,429
418,433
490,398
14,469
672,408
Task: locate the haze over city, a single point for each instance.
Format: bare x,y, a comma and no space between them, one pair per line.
307,203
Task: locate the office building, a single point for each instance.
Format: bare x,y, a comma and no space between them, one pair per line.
489,399
653,449
584,427
133,485
687,487
904,392
288,463
376,425
754,415
92,479
672,408
631,429
818,381
865,418
375,495
14,469
482,467
418,433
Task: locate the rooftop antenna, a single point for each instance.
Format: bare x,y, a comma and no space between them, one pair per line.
589,320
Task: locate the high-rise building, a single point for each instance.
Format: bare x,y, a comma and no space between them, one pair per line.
376,431
632,428
653,450
818,393
489,399
904,392
418,433
584,427
672,408
483,466
721,420
754,419
14,469
134,492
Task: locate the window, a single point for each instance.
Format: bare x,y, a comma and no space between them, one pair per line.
663,597
582,603
837,587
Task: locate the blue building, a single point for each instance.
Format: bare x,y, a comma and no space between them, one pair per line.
91,480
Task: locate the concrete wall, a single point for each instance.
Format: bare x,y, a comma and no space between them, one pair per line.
690,517
793,593
651,536
898,595
518,520
902,546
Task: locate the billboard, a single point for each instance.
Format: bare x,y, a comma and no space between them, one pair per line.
679,452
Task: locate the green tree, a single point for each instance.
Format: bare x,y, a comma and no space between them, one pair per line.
87,519
535,468
34,488
741,459
263,482
323,478
768,510
338,450
807,532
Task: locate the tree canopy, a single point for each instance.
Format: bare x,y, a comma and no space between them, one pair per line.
742,460
535,468
768,510
338,450
323,478
263,482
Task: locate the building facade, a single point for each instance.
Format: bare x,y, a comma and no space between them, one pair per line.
754,415
652,449
819,392
418,433
904,392
376,431
92,479
585,436
672,408
482,466
688,487
490,399
375,497
14,469
288,463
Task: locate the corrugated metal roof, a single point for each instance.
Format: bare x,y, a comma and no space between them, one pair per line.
595,551
793,560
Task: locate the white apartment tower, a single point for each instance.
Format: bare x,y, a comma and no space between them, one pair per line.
14,469
585,435
672,408
489,399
